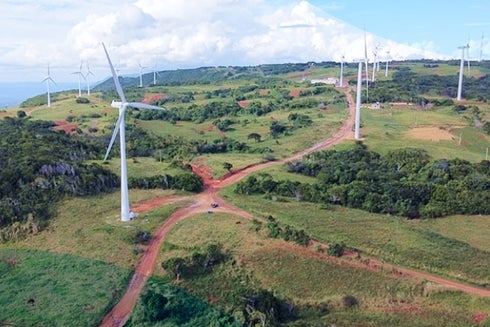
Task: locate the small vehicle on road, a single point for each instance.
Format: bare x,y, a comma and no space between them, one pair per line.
214,204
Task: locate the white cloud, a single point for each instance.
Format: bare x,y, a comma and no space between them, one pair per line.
175,33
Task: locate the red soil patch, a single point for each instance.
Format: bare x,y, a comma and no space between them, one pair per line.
243,103
62,125
264,92
295,93
479,317
152,97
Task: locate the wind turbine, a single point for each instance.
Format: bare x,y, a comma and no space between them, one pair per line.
357,121
481,46
366,61
461,67
155,73
87,78
126,215
79,73
387,62
48,80
341,81
375,54
141,74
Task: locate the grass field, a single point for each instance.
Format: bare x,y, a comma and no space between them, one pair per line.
300,276
91,227
41,288
393,239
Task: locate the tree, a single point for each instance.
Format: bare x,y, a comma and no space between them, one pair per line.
227,166
254,136
154,306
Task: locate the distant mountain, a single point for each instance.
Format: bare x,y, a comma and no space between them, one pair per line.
209,74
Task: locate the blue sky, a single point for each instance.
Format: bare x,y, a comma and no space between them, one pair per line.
170,34
442,24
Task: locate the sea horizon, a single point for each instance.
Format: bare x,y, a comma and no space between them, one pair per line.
13,94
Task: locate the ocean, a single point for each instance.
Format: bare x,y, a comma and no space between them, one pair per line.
13,94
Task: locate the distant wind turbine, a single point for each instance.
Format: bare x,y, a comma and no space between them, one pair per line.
87,78
80,75
387,62
141,74
461,67
357,121
155,73
126,215
341,80
366,61
481,46
48,80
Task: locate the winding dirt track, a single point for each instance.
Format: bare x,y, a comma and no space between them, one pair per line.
121,311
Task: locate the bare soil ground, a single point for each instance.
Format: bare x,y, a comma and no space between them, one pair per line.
431,133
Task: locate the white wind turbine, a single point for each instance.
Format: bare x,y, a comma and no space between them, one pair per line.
387,62
461,67
481,47
141,74
155,73
366,62
80,75
126,215
375,54
48,80
341,80
357,121
87,78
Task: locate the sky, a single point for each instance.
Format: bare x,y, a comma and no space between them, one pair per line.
173,34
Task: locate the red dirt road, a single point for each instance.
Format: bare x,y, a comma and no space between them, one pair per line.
122,310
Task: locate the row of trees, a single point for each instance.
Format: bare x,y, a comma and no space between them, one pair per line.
404,182
408,86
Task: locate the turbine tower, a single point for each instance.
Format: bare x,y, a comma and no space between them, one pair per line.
481,46
79,73
341,81
387,62
141,74
48,80
375,54
357,121
461,67
155,73
126,215
87,78
366,61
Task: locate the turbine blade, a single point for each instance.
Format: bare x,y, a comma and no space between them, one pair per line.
114,134
140,105
114,76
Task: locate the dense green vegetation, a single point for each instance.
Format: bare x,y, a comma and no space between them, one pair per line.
404,182
165,305
40,166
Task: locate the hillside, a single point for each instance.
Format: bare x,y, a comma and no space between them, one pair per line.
295,239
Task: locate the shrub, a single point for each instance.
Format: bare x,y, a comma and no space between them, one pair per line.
82,100
335,250
349,301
